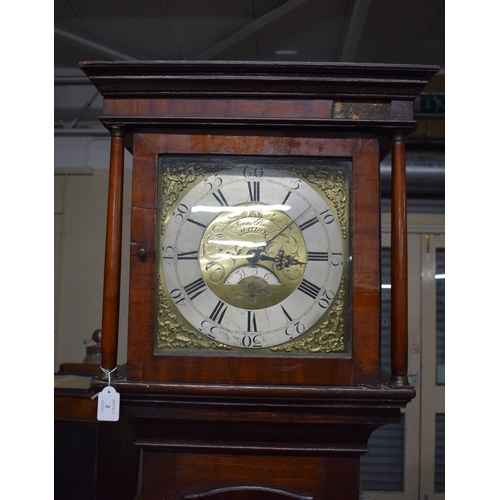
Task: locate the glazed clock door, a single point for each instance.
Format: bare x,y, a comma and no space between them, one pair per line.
245,266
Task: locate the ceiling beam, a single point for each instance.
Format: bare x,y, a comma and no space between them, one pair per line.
87,44
355,30
250,28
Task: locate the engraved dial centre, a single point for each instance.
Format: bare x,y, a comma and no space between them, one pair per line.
252,257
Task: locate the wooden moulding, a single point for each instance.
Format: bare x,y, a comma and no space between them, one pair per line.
293,80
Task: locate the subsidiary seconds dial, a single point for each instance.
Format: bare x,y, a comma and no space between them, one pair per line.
252,257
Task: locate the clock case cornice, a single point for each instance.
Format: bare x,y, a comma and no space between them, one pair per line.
368,98
251,79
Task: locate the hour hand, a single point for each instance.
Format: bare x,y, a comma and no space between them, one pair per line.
281,260
254,255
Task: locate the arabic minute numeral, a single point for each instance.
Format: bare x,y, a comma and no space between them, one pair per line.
326,299
335,259
249,341
168,253
257,172
210,330
328,217
212,183
177,297
297,328
180,212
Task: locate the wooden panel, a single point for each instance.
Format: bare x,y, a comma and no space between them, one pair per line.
144,179
244,370
237,108
366,224
366,340
247,144
239,477
142,292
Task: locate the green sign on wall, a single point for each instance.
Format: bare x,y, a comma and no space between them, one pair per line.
430,103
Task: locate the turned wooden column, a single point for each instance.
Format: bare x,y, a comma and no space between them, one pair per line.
399,266
112,262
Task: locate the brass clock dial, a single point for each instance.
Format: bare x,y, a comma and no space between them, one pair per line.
252,256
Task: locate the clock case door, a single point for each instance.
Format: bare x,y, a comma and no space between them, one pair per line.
361,365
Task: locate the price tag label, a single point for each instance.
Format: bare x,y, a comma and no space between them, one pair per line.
108,405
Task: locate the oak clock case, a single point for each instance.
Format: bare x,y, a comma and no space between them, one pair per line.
253,256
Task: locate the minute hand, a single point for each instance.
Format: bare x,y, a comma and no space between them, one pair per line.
255,255
286,227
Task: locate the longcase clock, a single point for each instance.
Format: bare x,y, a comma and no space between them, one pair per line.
253,365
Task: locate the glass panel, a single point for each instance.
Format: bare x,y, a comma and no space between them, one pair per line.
440,313
439,455
382,468
385,341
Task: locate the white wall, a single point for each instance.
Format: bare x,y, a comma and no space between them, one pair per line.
80,205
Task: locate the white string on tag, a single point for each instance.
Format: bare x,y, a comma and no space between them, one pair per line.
108,403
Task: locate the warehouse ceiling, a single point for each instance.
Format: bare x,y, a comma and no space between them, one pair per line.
386,31
378,31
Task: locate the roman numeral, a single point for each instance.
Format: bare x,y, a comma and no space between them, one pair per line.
218,312
308,223
286,198
203,226
188,255
288,317
309,289
251,322
195,288
220,198
254,190
317,256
